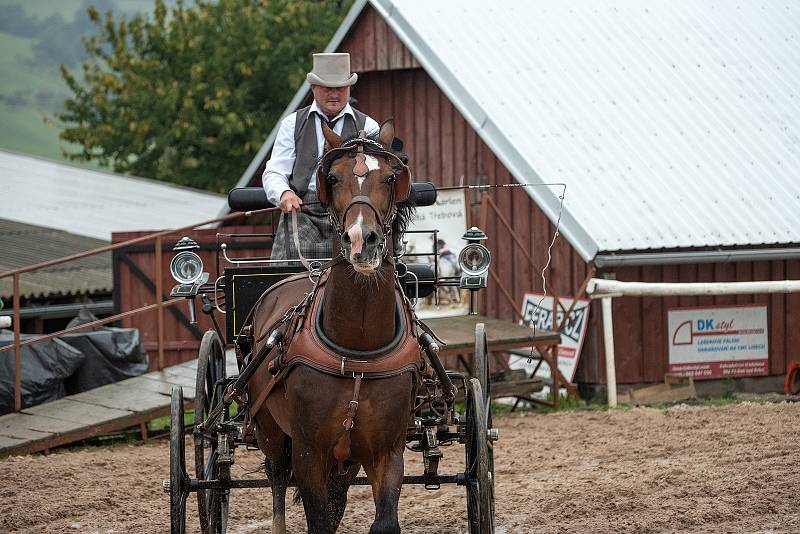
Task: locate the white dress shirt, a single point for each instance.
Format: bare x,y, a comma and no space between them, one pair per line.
279,167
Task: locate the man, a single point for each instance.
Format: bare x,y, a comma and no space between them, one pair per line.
289,178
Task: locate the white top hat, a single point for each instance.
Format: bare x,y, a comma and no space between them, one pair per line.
331,70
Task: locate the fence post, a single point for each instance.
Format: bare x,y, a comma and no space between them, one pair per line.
17,349
608,338
159,299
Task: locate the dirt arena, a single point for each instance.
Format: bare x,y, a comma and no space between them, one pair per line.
734,468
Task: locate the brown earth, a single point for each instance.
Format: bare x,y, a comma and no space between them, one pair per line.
734,468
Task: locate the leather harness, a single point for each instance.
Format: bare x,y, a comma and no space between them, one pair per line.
305,345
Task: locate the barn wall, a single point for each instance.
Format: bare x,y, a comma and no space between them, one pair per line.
131,292
443,149
640,323
374,47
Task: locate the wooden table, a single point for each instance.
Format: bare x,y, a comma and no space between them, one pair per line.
459,334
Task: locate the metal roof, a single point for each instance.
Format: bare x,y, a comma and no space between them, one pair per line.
25,244
92,203
674,123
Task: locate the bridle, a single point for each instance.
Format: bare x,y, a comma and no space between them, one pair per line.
360,170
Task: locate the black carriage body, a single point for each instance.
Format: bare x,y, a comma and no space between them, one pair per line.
244,286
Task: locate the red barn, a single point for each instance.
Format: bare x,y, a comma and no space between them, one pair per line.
674,127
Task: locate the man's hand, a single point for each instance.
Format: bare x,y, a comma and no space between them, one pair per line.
290,201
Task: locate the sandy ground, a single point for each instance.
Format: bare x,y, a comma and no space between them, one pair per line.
685,469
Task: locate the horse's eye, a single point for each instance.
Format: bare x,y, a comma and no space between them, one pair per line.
332,179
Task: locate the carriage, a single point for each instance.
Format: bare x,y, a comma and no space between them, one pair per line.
448,406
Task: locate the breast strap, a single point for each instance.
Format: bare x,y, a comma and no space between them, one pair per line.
306,348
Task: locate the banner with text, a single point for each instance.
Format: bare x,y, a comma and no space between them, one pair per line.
718,341
449,217
538,310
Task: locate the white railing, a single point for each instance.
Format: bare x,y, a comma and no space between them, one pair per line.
606,290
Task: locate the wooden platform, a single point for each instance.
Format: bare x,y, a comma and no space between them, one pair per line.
459,334
135,401
99,411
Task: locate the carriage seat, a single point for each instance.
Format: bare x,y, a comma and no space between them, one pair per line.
254,198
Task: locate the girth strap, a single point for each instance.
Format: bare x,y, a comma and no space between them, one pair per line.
352,407
341,451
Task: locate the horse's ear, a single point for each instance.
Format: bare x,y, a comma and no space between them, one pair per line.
322,185
387,132
402,185
332,139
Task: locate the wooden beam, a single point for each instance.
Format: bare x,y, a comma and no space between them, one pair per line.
17,348
505,293
160,300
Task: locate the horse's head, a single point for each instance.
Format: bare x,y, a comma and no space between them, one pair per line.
361,180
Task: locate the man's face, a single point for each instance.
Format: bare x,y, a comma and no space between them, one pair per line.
330,100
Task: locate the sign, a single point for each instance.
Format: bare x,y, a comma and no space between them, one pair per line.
718,341
449,218
537,310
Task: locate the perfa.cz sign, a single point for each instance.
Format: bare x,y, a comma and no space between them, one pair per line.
537,312
718,342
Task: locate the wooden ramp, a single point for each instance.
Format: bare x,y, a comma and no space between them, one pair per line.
102,410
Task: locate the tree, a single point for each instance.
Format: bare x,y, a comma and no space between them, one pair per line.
188,94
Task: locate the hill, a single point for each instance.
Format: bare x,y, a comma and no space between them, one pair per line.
36,36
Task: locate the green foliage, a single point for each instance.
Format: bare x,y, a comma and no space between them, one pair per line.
188,94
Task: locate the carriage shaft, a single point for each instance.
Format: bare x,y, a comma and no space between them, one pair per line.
194,484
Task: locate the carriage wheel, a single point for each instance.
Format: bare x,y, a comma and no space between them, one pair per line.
480,361
481,372
480,480
178,479
212,505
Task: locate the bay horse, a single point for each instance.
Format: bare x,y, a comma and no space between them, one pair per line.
299,426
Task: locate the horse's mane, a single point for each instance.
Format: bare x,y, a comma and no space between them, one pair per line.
405,209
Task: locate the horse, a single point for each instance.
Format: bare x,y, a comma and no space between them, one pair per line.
299,426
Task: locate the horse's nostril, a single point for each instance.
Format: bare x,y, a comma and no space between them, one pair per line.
372,238
346,238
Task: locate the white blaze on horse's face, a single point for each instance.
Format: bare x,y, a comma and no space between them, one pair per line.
365,257
372,164
356,236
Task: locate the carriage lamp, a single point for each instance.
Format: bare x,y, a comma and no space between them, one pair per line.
5,320
186,266
474,260
187,269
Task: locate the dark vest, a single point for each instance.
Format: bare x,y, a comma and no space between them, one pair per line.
305,144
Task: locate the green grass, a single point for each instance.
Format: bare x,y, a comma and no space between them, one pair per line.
44,8
37,90
24,131
20,73
163,423
68,8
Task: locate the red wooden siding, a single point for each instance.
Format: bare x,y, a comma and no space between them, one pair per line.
180,343
373,46
443,149
640,323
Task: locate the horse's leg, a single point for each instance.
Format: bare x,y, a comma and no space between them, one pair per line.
279,472
338,485
312,482
276,446
386,477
